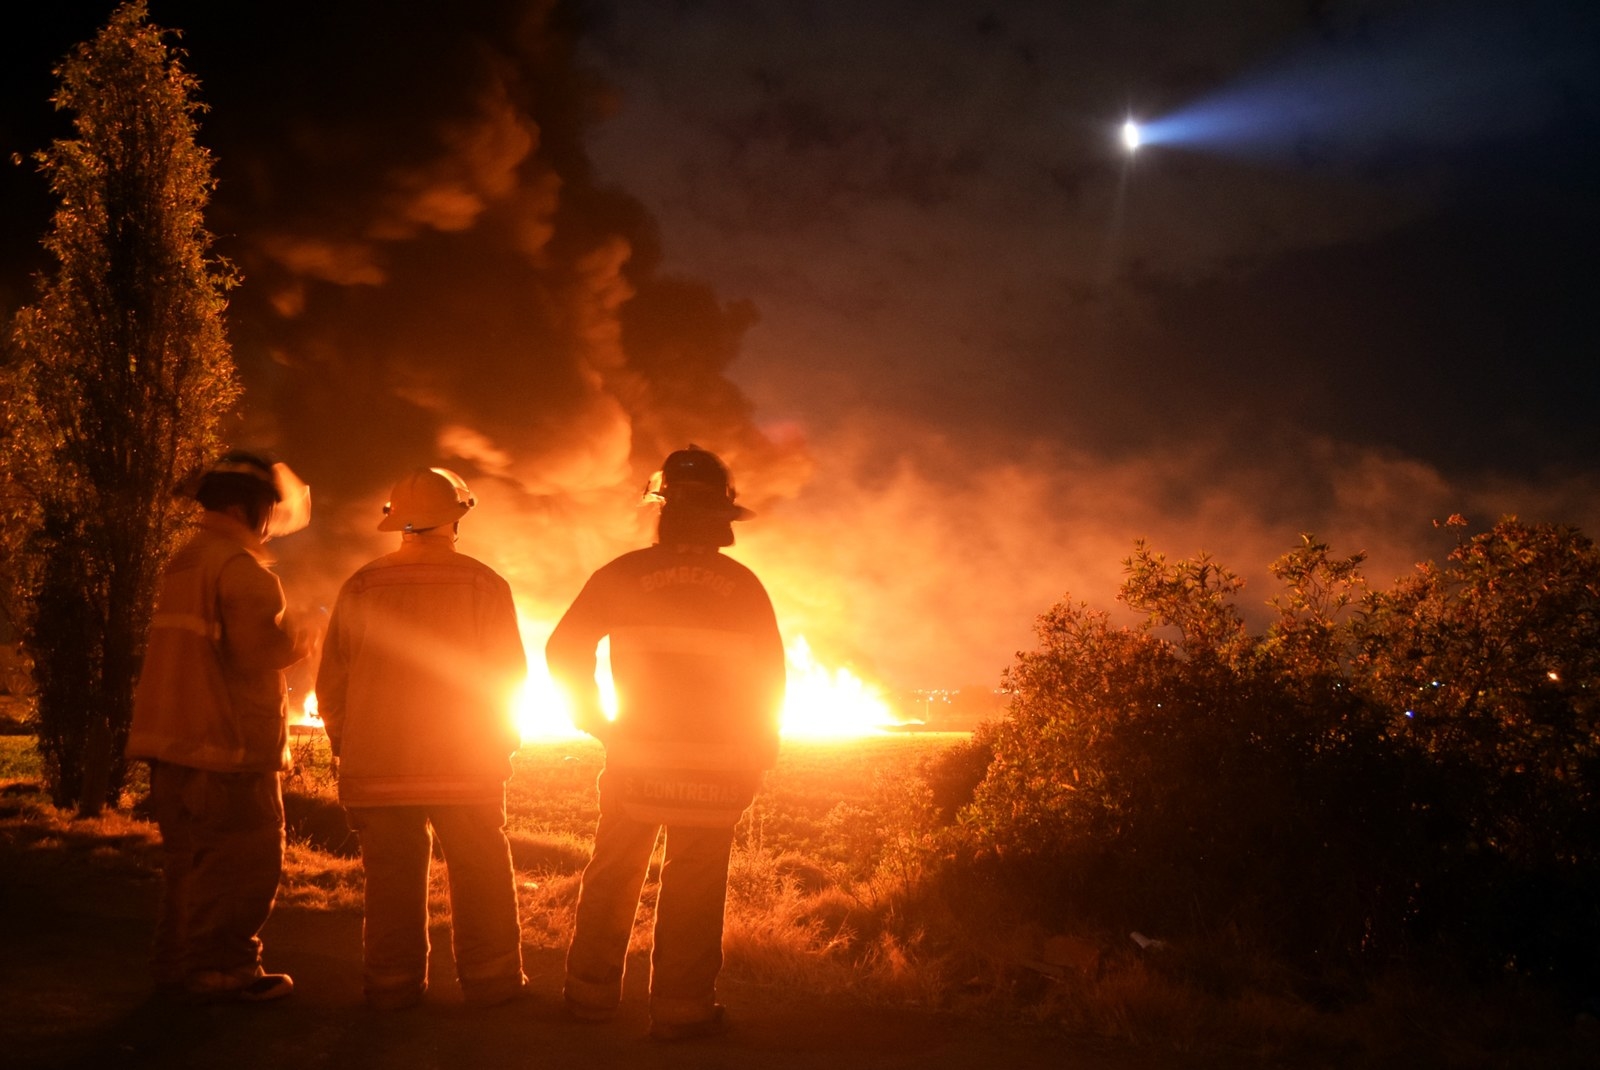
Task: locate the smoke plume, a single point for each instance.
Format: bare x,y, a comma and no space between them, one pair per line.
435,273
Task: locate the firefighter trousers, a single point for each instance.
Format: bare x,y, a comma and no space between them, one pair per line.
396,849
686,953
222,857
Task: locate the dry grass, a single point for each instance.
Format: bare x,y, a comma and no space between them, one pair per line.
831,892
317,880
552,789
116,840
808,905
19,759
547,904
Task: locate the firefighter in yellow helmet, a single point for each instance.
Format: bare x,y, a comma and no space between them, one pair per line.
210,717
419,669
699,672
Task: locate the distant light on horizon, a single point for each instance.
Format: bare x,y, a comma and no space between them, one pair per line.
1132,136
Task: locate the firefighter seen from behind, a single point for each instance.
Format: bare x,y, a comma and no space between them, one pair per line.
419,666
698,667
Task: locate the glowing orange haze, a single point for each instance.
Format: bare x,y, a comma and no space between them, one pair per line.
823,699
822,702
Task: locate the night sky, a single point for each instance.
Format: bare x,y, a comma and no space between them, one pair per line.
891,261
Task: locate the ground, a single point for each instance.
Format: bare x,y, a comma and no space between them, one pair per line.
75,927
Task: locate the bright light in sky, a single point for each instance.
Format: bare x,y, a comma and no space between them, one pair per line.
1130,135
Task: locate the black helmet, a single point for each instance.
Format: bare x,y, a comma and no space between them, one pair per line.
238,477
696,478
266,489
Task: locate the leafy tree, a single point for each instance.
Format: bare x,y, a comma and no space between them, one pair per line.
120,375
1195,597
1310,635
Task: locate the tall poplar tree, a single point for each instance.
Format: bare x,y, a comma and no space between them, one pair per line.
120,376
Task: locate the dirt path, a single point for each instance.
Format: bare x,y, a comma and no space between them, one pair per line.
75,928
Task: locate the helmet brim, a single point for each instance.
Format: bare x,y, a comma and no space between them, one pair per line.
395,522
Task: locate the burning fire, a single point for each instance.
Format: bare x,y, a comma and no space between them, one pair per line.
820,703
829,702
306,719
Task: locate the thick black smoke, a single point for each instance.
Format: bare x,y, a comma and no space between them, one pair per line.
432,275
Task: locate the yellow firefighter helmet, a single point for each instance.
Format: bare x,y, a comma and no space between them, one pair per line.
426,498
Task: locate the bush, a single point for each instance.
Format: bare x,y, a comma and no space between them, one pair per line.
953,775
1374,775
1489,669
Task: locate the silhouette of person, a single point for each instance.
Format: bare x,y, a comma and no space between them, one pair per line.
698,666
420,662
210,717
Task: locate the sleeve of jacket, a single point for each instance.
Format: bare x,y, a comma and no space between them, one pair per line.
252,607
333,674
570,656
505,659
773,676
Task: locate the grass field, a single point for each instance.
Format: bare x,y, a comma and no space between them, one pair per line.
19,759
808,895
813,885
816,867
833,890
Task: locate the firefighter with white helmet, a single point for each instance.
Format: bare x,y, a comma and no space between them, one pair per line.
698,667
420,664
210,717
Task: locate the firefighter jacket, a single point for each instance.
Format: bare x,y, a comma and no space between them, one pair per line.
419,674
211,692
698,667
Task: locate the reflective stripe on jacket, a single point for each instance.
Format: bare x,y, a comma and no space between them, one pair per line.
211,691
420,667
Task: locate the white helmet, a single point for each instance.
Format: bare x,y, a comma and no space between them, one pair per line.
426,498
